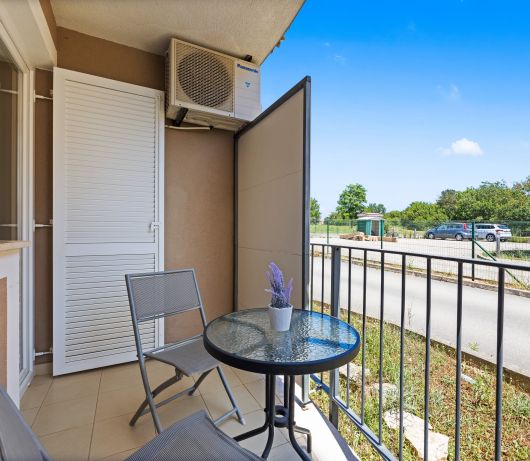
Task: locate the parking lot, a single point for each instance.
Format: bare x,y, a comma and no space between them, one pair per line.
448,248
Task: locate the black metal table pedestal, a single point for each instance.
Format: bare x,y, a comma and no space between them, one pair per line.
280,416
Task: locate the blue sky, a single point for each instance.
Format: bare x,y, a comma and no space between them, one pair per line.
410,97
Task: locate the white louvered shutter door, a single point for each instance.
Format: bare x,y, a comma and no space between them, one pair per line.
108,212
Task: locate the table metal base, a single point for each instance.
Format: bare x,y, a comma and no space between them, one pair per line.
280,416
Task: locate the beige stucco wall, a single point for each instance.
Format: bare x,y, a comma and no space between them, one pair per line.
270,202
199,218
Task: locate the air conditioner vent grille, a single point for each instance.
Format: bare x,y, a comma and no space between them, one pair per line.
204,78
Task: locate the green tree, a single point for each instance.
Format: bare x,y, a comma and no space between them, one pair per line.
419,215
394,214
351,201
375,208
393,217
315,211
493,201
523,185
332,217
447,202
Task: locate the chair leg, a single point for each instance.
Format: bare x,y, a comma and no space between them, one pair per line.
199,381
160,388
148,393
231,397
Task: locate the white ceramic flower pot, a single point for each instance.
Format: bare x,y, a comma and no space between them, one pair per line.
280,318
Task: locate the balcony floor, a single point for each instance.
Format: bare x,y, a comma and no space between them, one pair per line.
84,416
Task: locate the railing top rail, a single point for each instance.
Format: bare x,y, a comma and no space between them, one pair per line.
480,262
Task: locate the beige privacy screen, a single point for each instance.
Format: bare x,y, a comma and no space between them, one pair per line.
273,199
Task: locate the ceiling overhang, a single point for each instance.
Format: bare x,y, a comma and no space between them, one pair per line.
238,28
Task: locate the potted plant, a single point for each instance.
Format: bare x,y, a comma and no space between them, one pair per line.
280,308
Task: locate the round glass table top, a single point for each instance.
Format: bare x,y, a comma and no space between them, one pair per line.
315,342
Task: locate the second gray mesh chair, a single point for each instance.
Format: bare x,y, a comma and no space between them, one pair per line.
163,294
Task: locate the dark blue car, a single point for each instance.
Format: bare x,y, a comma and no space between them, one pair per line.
457,231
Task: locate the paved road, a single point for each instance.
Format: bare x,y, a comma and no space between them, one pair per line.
479,311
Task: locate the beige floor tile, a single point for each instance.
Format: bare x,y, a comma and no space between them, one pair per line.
257,389
29,415
72,387
246,376
114,435
118,377
90,375
119,402
127,399
218,402
34,396
253,420
119,456
213,383
65,415
70,445
39,380
179,409
284,453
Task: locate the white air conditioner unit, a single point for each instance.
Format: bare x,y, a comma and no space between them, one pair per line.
210,88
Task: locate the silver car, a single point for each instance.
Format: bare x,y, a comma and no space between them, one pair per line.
490,232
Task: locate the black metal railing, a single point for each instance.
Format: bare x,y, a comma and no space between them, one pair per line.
328,259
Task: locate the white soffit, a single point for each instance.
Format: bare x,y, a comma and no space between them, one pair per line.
234,27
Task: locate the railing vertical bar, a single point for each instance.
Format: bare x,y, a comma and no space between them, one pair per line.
381,346
402,354
499,371
322,282
349,285
312,274
349,322
458,359
322,293
334,312
363,364
427,363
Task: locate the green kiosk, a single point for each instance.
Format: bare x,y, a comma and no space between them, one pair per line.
371,224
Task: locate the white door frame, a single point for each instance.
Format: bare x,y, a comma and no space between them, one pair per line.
25,197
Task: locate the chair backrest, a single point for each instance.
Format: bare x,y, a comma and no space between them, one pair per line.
17,440
161,294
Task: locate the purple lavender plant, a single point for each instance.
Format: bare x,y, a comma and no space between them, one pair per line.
281,294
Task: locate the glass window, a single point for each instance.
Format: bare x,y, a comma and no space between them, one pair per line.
8,147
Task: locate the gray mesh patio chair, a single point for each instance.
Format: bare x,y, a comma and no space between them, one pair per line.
17,440
191,439
164,294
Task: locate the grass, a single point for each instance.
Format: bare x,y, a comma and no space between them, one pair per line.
333,229
517,239
477,407
523,255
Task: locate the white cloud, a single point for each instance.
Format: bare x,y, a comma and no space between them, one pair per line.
450,93
339,58
463,146
327,44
